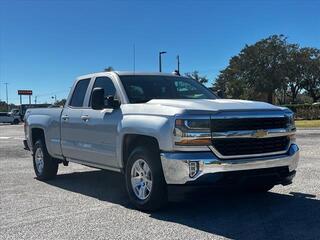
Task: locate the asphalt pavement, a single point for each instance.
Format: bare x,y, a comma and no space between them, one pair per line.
85,203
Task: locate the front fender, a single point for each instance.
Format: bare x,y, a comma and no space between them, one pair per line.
158,127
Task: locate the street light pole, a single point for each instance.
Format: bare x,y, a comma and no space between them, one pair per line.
7,96
160,62
178,62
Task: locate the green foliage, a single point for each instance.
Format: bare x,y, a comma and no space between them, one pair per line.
305,111
271,68
195,75
311,66
109,69
4,108
60,103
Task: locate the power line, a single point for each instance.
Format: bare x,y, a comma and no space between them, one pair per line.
52,93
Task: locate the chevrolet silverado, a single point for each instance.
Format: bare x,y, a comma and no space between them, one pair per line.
163,129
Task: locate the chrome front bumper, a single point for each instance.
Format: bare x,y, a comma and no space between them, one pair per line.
176,164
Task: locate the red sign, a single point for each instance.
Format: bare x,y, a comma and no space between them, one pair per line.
24,92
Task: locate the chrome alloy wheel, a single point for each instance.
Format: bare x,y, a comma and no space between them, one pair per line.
39,160
141,179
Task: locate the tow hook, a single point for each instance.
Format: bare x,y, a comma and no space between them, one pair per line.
288,180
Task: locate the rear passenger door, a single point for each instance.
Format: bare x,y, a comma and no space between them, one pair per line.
72,137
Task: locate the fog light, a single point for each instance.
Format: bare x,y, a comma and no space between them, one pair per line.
193,168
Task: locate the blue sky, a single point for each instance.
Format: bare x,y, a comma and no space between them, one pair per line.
45,45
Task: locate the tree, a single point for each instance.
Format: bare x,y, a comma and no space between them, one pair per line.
272,68
195,75
60,103
294,73
109,69
311,72
258,69
229,83
3,106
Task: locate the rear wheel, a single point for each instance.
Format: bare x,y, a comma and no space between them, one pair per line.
44,165
15,121
145,182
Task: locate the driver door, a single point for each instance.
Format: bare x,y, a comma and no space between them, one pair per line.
100,127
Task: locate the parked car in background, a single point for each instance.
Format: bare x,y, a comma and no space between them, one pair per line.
16,114
162,129
6,117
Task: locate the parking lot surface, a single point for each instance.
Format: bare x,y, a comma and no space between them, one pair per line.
85,203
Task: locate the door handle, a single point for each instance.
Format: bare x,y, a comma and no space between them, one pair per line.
65,117
85,118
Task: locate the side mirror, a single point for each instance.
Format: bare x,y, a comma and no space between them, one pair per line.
97,99
113,103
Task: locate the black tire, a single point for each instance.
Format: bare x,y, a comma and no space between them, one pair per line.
158,195
15,121
50,165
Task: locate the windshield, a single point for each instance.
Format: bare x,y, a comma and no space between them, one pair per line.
141,89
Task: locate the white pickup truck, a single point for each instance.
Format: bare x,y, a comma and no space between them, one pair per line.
161,129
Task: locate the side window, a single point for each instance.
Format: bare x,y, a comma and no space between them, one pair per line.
106,84
79,93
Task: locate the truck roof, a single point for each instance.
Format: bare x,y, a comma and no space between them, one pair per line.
127,73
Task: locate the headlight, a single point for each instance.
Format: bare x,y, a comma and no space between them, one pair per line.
290,121
202,124
192,132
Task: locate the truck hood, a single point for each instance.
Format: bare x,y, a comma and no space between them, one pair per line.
214,104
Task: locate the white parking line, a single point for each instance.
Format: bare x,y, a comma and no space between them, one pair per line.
15,138
18,138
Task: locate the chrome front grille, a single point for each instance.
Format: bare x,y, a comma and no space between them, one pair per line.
236,137
247,146
238,124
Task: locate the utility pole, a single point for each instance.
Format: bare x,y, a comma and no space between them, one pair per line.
160,60
7,96
35,99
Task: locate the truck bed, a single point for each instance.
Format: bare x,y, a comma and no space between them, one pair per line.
49,119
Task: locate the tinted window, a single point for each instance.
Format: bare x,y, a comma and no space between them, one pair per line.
142,89
79,93
106,84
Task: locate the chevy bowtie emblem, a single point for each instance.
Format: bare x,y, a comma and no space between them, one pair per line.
260,133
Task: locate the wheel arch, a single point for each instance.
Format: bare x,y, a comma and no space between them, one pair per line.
130,141
37,133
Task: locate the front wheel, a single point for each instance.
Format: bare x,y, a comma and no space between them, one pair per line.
44,165
145,182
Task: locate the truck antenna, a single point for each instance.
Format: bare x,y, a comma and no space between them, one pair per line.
134,58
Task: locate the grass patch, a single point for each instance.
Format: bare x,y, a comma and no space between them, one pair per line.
308,123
